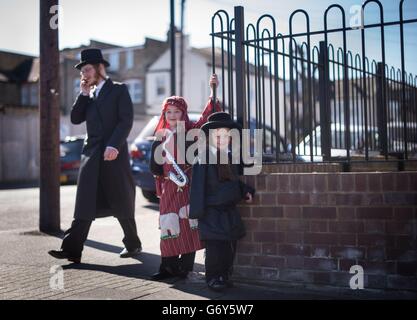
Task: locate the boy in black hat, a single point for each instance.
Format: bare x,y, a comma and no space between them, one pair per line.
215,192
105,183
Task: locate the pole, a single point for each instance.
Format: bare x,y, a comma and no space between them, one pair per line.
324,83
381,109
240,65
172,42
182,49
49,206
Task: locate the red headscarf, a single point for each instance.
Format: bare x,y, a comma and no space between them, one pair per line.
178,102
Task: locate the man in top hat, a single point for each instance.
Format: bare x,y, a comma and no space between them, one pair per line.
105,182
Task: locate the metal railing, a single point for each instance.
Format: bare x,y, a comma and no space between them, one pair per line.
316,102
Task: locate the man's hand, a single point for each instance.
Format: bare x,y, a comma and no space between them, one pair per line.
84,87
110,154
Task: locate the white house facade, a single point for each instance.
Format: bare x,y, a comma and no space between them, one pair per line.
197,71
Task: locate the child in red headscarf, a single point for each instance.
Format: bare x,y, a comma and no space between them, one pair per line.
179,235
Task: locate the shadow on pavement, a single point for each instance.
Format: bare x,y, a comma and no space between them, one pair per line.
154,207
19,185
149,264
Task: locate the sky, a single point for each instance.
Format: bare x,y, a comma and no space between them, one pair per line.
128,22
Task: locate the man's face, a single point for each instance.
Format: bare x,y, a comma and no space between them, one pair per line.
89,75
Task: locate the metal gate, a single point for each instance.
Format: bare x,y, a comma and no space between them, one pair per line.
313,100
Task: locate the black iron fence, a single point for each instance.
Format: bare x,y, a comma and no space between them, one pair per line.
314,101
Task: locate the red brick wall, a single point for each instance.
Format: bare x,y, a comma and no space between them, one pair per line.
312,227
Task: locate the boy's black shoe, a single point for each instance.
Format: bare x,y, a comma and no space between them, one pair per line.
166,273
162,275
217,284
229,283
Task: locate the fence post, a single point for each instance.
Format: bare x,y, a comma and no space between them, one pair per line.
240,65
324,98
381,108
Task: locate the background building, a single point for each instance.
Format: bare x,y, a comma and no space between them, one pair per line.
19,100
127,65
19,117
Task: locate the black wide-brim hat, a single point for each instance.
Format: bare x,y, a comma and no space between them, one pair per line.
220,120
91,56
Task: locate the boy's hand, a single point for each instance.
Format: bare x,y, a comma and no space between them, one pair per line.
249,198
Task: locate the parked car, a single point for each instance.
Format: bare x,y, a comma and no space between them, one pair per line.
395,134
338,151
270,147
70,150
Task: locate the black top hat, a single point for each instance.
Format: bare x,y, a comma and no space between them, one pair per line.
91,56
220,120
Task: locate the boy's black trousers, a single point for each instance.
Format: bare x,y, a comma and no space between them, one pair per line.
219,258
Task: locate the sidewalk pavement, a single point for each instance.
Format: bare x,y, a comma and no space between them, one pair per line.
28,272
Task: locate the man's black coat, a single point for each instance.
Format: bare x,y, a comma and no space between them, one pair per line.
105,188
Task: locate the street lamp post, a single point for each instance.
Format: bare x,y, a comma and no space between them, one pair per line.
49,206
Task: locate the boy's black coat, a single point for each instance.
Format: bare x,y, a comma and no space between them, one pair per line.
213,203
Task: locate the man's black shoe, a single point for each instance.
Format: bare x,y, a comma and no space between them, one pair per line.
128,254
60,254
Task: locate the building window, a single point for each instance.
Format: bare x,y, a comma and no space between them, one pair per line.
129,59
160,86
25,99
76,87
135,87
114,61
29,94
34,94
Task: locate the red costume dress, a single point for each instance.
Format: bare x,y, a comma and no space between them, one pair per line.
179,235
